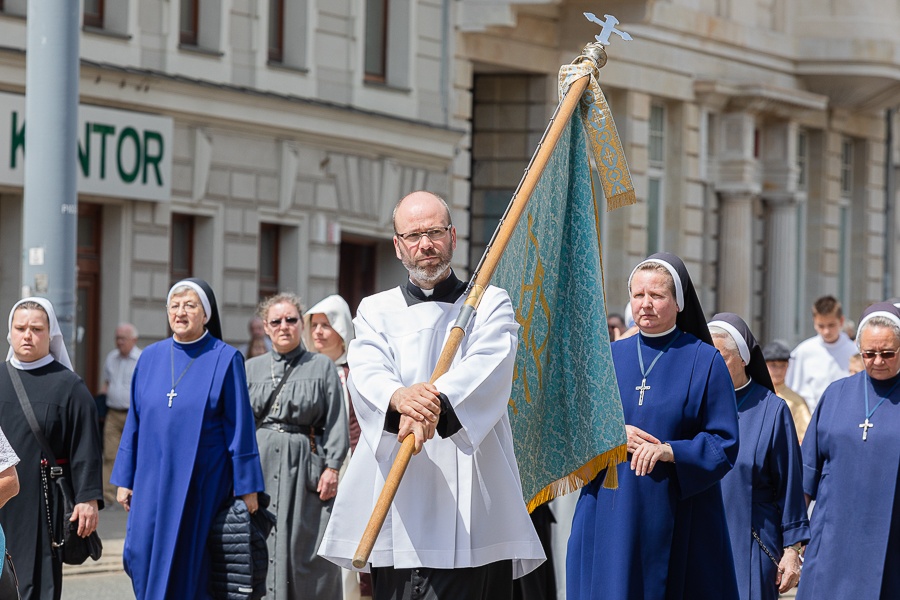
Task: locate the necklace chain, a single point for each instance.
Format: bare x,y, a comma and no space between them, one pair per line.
171,395
646,372
866,425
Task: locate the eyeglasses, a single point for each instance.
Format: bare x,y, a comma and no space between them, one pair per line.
289,320
884,354
189,307
414,237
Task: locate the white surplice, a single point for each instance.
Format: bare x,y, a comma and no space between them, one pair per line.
460,503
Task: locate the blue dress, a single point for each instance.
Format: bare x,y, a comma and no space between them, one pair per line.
854,550
764,491
663,535
183,462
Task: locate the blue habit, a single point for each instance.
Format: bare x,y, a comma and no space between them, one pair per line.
183,462
663,535
854,551
764,491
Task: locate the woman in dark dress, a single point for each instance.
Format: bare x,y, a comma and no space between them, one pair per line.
67,414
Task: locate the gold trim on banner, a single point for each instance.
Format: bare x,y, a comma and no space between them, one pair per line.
603,138
584,475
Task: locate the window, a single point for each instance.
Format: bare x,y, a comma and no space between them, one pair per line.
182,248
846,168
802,160
14,7
656,146
93,13
269,237
276,31
88,301
356,270
376,40
656,151
188,22
844,245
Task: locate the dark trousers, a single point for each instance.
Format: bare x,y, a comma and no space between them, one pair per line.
489,582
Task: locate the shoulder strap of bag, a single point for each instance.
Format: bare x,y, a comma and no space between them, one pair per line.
274,394
55,469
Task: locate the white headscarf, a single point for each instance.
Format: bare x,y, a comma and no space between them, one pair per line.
679,289
338,313
57,343
739,341
204,299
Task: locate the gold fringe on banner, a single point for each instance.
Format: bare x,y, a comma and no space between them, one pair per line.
603,137
582,476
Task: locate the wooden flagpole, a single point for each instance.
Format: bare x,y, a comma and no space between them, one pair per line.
493,253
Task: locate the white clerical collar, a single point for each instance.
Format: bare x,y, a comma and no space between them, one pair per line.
749,381
28,366
654,335
202,337
427,293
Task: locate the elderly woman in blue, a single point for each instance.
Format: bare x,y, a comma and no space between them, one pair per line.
189,444
763,494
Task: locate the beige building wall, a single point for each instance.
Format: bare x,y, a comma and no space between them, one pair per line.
758,215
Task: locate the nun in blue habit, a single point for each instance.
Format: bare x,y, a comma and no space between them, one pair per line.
188,446
763,494
851,468
662,534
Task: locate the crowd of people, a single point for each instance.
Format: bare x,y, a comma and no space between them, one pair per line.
730,443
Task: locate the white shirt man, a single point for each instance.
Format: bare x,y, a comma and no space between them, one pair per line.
117,372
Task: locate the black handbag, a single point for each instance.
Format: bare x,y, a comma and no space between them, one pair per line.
66,544
9,583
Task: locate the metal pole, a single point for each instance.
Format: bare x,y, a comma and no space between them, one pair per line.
50,210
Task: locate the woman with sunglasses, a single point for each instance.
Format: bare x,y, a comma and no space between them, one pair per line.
303,439
851,468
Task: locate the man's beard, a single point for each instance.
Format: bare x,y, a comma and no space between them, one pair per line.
428,274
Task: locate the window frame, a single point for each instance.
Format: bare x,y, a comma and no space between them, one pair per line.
802,160
275,53
656,178
189,37
381,75
269,285
182,222
846,168
88,19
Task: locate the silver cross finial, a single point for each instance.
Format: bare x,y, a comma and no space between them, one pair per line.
609,28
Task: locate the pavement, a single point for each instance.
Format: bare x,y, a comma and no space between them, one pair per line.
105,579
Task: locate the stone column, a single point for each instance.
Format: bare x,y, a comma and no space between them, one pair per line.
735,281
781,284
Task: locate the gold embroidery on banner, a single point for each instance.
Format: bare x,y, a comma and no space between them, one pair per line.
534,290
603,139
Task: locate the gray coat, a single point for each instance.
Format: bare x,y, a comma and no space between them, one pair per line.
311,397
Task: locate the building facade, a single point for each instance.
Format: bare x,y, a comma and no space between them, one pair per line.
759,135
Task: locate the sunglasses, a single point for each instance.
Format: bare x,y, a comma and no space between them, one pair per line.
288,320
884,354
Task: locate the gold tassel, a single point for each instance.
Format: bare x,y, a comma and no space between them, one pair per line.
619,200
582,476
